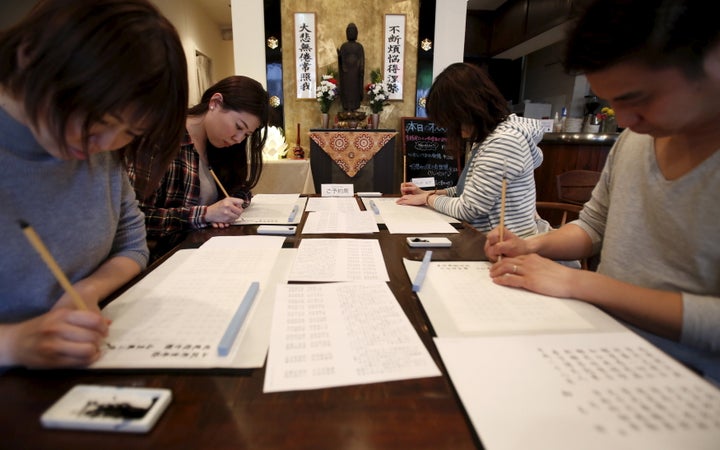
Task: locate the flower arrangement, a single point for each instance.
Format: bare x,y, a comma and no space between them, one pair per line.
606,113
326,92
275,145
376,92
606,117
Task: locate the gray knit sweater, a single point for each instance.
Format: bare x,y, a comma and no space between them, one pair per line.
84,211
664,235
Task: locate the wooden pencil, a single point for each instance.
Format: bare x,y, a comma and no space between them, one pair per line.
404,168
40,247
217,180
502,211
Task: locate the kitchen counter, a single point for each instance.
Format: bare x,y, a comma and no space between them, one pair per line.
580,138
569,151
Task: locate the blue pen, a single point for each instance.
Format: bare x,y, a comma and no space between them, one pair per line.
236,322
374,207
420,277
293,213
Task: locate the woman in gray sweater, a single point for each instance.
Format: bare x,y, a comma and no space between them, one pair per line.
71,94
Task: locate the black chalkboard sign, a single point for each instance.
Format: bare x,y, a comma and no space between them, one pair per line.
424,152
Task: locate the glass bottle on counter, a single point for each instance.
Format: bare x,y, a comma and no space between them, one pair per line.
592,124
557,125
563,119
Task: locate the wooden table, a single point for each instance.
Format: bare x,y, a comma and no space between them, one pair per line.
226,409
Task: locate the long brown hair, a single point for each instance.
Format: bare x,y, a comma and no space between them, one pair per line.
463,94
96,58
241,94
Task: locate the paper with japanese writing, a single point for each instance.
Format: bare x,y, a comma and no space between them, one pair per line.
343,204
412,219
176,317
590,391
339,334
273,209
339,259
328,222
461,299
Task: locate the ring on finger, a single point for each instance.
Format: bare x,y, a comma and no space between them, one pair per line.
514,268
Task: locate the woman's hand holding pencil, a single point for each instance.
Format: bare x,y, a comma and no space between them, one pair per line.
62,337
71,334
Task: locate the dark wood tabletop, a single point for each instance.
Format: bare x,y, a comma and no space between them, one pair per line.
227,409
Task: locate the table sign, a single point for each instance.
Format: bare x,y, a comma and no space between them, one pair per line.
337,190
424,182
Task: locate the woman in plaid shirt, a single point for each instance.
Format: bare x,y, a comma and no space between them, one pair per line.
216,131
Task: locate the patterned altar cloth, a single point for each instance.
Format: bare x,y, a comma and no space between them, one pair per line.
351,150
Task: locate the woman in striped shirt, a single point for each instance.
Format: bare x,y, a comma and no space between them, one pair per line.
465,101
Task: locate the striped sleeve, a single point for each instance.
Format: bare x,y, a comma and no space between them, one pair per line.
505,152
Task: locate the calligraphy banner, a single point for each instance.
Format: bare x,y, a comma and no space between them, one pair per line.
394,55
305,60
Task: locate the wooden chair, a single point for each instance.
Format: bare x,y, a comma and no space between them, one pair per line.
576,186
558,214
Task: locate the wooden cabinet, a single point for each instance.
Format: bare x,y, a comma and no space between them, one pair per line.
509,25
546,14
559,157
478,32
517,21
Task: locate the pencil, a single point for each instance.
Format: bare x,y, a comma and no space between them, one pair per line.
217,180
404,168
37,243
502,209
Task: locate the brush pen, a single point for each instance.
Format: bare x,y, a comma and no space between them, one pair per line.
40,247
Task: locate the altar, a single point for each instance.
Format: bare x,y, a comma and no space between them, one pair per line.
363,158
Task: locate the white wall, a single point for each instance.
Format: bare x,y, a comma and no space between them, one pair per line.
249,39
198,32
546,82
449,46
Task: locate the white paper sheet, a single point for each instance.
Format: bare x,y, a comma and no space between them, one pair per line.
339,334
326,222
339,260
175,318
411,219
389,201
344,204
273,208
464,293
590,391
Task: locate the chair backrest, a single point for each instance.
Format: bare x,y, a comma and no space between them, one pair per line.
576,186
558,214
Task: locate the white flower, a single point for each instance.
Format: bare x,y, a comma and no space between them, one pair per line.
326,92
376,92
275,145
